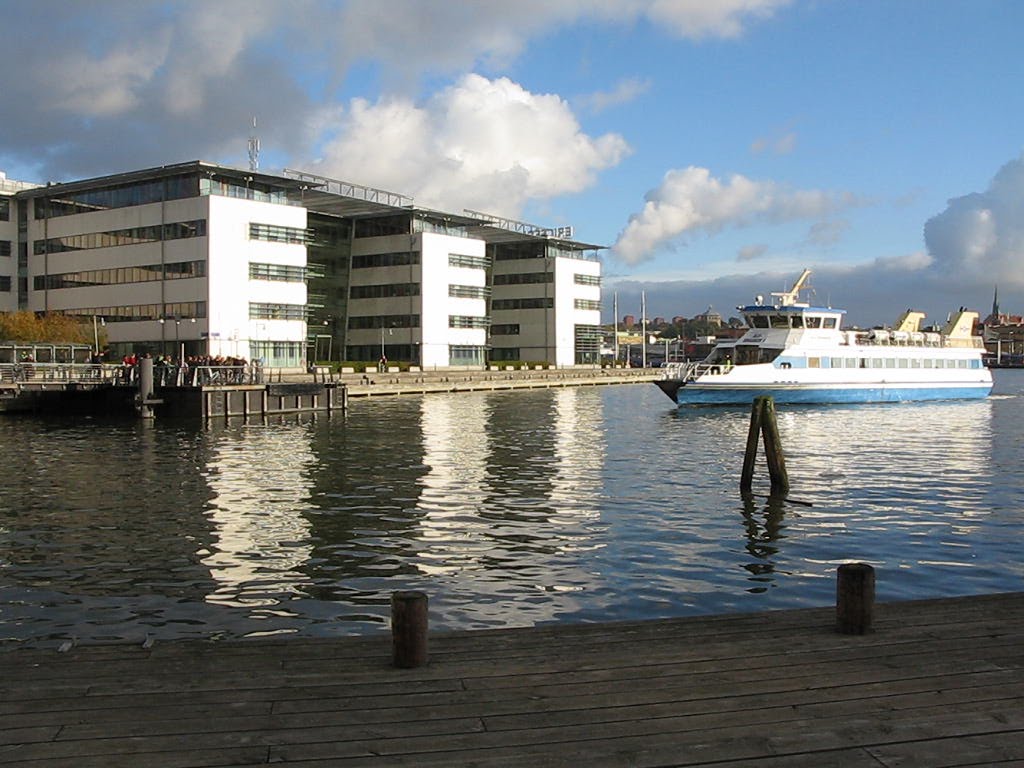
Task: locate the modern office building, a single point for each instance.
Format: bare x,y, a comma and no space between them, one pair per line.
203,259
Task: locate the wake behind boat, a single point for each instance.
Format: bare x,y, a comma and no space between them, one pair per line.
800,354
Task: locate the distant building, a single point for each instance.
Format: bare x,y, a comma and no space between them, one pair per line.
709,316
629,321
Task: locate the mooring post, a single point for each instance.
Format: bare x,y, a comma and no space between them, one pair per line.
146,387
409,629
773,448
855,598
750,457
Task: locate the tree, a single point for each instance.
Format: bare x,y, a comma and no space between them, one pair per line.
53,328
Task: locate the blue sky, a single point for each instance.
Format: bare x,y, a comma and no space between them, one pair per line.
716,148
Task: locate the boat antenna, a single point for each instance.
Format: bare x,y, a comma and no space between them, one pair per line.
790,297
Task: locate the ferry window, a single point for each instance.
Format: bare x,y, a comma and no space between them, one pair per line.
814,362
796,321
779,321
877,362
759,321
975,363
902,362
812,322
927,363
961,363
915,363
828,322
851,362
890,362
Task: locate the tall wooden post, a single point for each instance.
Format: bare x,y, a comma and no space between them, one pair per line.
750,456
763,423
409,629
773,449
855,598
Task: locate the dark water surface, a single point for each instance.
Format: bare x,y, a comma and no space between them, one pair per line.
509,509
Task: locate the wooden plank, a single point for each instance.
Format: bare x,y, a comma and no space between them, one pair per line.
681,692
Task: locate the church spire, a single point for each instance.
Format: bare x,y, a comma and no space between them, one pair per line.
995,304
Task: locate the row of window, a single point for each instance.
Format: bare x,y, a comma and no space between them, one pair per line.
384,321
399,259
5,283
527,303
266,311
277,234
282,273
5,247
467,321
581,279
890,362
5,209
137,312
132,236
117,196
793,321
384,291
587,304
120,275
505,329
525,278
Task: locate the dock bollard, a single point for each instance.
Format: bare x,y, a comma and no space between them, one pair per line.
409,629
855,598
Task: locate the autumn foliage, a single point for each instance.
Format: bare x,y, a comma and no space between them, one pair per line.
51,328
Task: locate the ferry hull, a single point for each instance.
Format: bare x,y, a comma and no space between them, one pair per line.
696,394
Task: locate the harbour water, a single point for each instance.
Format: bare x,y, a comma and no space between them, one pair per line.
507,508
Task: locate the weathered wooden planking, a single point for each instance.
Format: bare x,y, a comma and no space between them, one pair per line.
781,687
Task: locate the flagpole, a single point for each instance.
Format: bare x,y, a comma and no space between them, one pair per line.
615,317
643,328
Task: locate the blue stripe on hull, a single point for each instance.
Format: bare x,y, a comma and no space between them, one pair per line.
690,395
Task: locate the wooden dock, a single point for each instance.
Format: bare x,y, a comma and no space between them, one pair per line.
938,683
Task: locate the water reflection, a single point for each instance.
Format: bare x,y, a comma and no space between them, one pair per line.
260,482
509,508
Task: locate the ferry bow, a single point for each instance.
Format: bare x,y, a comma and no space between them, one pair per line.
798,353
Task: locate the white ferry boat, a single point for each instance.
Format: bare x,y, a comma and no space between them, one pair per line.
800,354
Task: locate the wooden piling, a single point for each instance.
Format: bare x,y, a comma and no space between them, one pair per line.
409,629
773,448
763,423
750,456
855,598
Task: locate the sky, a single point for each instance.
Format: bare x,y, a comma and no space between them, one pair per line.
714,149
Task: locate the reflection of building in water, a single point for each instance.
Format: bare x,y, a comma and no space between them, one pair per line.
508,499
260,537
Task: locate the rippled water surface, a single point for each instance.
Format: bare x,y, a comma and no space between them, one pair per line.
509,509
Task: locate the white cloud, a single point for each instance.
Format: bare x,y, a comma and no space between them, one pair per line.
700,18
981,235
623,92
692,200
482,144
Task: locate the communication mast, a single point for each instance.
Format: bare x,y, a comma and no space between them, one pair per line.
254,148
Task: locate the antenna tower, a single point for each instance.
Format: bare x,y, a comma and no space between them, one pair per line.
254,148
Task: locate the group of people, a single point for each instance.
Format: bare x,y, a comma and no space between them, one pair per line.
195,369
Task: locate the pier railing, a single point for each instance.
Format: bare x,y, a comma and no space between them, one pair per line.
128,375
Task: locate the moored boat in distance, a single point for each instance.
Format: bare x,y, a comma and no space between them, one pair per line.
798,353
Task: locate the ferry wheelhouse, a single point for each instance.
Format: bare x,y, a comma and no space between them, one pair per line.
799,353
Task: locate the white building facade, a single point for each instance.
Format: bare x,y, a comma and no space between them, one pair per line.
198,259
